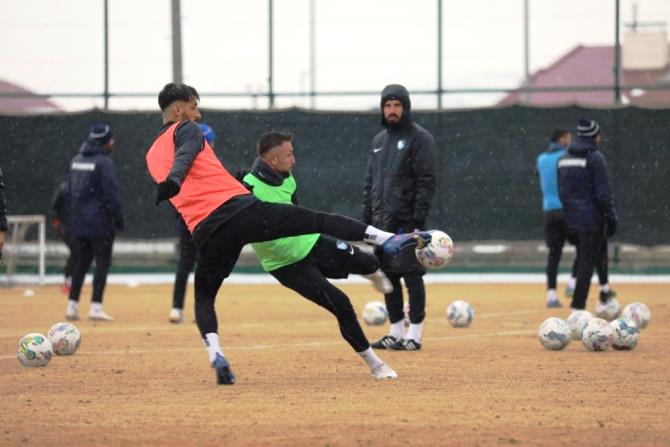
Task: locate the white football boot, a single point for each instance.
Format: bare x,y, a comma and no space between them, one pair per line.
99,315
176,316
383,371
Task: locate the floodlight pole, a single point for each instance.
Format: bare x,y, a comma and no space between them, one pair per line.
106,63
271,95
176,43
617,56
312,53
526,52
439,54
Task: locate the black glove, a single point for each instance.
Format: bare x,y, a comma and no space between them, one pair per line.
166,190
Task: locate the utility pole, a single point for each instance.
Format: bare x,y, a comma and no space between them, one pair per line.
526,52
312,53
106,63
176,42
439,54
271,94
617,56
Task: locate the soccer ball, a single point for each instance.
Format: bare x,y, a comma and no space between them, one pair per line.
438,252
626,334
375,313
554,333
460,314
577,321
598,335
608,310
639,313
65,338
34,350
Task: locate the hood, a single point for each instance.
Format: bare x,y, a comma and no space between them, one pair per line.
399,92
92,147
268,175
582,145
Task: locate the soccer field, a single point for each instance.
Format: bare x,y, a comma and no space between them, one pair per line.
143,381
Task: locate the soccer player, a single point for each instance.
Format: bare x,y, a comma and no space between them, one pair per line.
585,192
3,214
223,216
187,251
399,187
303,263
555,227
95,217
61,223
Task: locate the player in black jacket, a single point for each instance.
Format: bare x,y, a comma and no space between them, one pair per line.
3,214
584,189
399,187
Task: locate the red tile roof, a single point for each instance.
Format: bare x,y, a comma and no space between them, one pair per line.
25,104
593,66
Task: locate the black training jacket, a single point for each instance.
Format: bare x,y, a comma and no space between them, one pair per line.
401,178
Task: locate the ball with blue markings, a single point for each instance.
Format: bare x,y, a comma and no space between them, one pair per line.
554,334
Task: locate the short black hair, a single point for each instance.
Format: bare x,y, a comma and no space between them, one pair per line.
271,139
176,92
557,134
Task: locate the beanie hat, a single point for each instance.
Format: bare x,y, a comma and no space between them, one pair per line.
208,133
587,128
101,133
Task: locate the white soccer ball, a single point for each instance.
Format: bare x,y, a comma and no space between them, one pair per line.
438,252
639,313
608,310
626,334
34,350
460,314
375,313
577,321
554,333
598,335
65,338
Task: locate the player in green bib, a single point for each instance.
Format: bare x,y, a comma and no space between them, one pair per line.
303,263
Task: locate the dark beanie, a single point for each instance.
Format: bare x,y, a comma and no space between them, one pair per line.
587,128
101,133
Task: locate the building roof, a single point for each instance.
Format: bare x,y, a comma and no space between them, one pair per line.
24,104
593,66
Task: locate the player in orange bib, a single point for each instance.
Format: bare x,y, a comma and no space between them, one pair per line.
223,216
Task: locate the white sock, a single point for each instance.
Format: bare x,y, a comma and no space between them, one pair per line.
72,305
605,288
370,358
415,332
551,295
96,307
212,343
571,282
375,236
397,329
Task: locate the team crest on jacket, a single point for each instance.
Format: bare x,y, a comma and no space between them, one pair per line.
401,145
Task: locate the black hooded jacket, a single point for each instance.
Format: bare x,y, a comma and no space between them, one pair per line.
401,177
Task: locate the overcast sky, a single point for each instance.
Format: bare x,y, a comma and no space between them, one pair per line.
57,46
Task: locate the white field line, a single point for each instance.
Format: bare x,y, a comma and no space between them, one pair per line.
316,344
138,279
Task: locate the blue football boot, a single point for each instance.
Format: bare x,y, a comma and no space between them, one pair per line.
395,245
224,375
